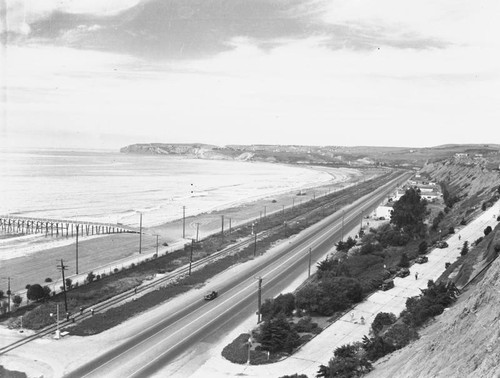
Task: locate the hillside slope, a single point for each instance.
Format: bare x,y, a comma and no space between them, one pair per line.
462,342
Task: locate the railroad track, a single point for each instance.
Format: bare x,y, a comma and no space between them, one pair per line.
180,272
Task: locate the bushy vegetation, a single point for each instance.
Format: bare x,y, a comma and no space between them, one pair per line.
382,320
409,213
431,302
282,304
329,295
278,335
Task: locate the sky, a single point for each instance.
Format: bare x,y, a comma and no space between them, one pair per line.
108,73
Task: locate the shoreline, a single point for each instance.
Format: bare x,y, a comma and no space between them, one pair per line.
104,250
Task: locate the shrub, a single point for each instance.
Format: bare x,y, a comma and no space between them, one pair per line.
329,295
487,230
451,230
276,335
35,292
48,279
69,283
400,335
1,294
465,249
295,376
422,247
483,206
17,300
383,319
282,304
47,291
116,270
98,277
90,277
478,240
306,324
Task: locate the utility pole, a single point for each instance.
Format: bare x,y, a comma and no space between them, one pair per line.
255,243
309,270
191,256
156,245
62,267
183,222
77,227
229,226
222,228
284,228
8,291
342,233
197,231
140,234
259,300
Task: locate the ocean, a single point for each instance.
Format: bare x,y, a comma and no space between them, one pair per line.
115,188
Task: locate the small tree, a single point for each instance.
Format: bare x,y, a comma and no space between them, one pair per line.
69,283
90,277
17,300
451,230
48,279
47,291
465,249
382,320
35,292
487,230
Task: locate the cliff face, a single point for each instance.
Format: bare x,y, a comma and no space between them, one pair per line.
462,342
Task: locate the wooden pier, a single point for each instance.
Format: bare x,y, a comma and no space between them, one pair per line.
59,227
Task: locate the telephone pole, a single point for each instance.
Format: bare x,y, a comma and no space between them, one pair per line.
156,245
183,222
62,268
222,228
255,243
140,234
8,291
259,300
197,231
191,256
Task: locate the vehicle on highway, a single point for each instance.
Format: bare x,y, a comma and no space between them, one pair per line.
387,284
441,244
403,272
421,259
211,295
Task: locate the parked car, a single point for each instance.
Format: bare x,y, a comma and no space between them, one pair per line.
387,284
422,259
403,272
441,244
211,295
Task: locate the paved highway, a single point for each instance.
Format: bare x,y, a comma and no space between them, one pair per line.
182,326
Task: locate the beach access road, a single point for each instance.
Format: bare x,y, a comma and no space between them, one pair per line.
156,341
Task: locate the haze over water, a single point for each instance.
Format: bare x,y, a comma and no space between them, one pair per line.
113,187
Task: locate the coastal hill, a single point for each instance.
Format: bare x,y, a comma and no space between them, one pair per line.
330,155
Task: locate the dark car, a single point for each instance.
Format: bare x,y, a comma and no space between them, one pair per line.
422,259
403,272
212,295
387,284
441,244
